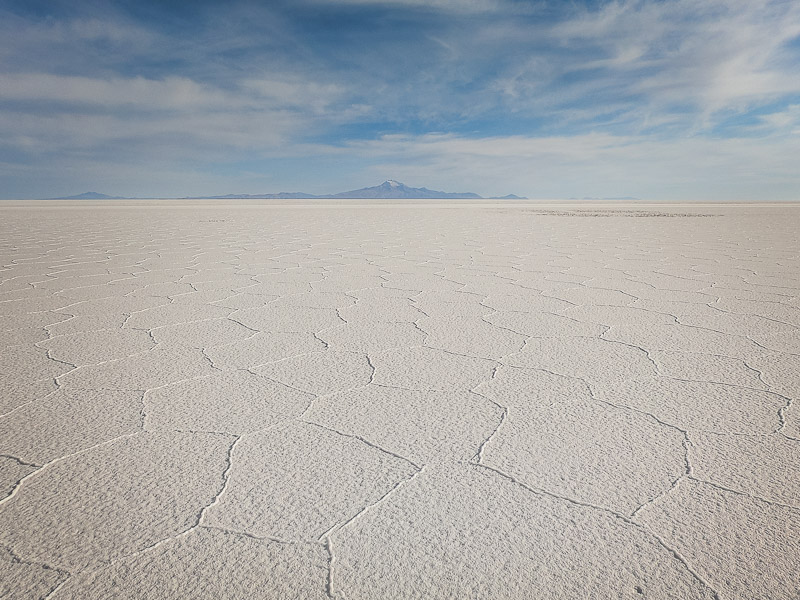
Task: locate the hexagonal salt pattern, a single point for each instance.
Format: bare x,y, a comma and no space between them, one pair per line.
357,401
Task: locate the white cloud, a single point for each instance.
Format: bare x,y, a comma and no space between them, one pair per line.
457,6
595,165
786,120
169,93
623,99
714,55
174,114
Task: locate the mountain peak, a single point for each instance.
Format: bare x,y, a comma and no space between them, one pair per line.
394,189
88,196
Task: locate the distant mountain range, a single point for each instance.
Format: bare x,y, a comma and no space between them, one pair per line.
89,196
395,189
608,198
387,190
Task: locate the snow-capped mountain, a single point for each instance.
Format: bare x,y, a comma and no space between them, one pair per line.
395,189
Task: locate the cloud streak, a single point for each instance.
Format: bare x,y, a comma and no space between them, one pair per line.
693,169
442,90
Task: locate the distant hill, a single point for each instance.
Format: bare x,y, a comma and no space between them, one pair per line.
609,198
387,190
280,195
88,196
394,189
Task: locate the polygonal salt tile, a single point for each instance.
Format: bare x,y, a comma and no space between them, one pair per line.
202,334
208,293
17,337
744,547
679,310
787,342
478,279
67,282
791,417
524,388
617,315
294,319
66,422
93,347
452,310
12,471
272,289
460,531
752,326
680,338
28,363
222,279
24,580
174,314
419,282
155,368
689,297
705,367
773,310
296,274
667,282
118,498
471,336
533,302
780,371
429,369
116,305
245,300
420,426
542,284
115,289
19,391
209,563
436,297
763,466
87,323
542,324
589,452
23,306
387,290
592,359
297,481
317,300
372,337
347,283
234,402
263,348
323,372
390,310
163,289
697,405
593,296
31,321
22,283
166,272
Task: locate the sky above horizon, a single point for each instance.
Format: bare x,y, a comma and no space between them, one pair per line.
661,100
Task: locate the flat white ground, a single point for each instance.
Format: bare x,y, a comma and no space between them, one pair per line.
365,400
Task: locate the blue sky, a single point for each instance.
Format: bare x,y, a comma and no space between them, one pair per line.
662,100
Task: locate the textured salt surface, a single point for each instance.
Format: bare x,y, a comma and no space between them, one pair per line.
369,400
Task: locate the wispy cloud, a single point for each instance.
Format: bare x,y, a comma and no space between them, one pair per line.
608,165
446,89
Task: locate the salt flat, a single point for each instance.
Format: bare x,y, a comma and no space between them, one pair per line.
367,400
